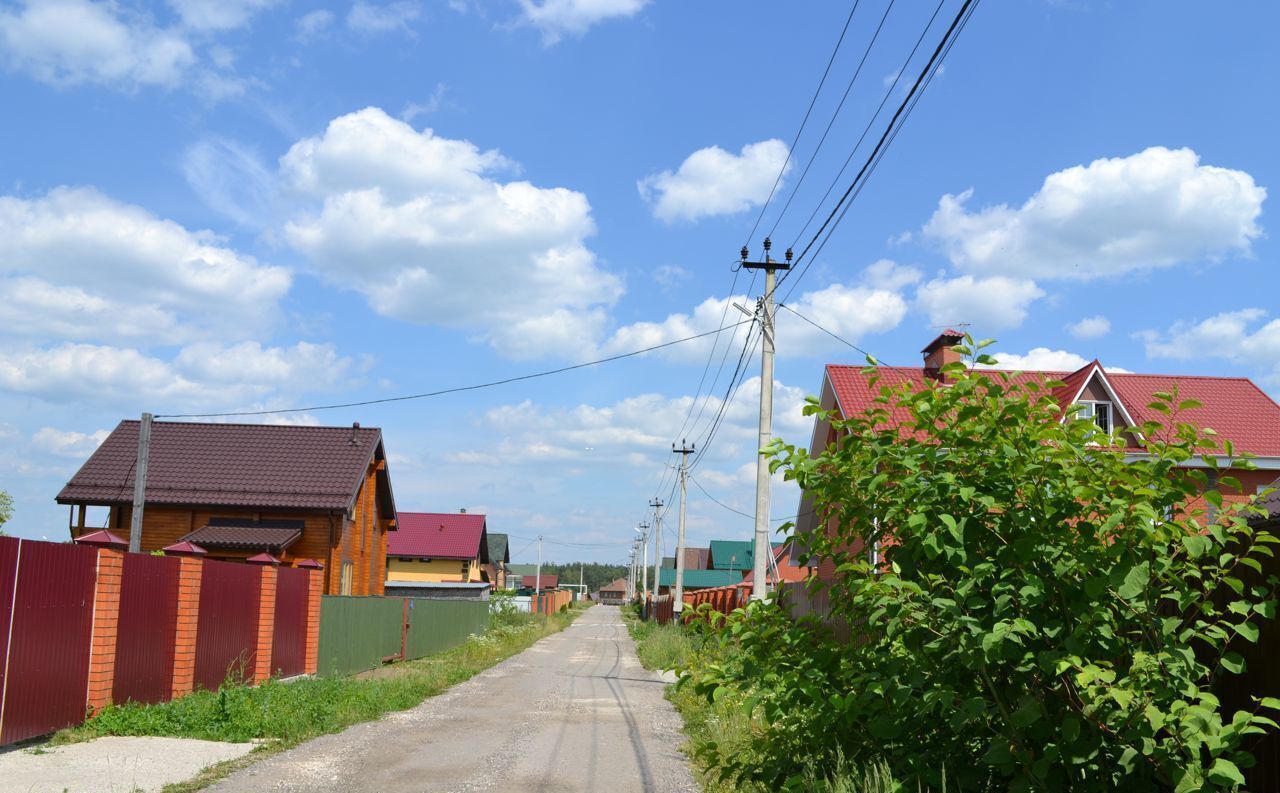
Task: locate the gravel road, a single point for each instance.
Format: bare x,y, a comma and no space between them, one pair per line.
575,712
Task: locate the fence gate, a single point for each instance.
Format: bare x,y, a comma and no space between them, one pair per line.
289,636
145,633
50,610
227,630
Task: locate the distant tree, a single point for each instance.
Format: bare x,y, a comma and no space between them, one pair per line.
593,574
6,511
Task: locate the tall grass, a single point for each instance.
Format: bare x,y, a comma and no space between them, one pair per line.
723,727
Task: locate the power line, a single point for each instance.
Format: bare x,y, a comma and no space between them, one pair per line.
442,392
824,330
871,121
840,106
891,133
698,485
803,122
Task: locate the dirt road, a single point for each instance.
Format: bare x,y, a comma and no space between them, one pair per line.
575,712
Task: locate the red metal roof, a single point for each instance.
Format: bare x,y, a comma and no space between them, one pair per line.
1233,407
548,581
102,539
246,465
271,535
438,535
619,585
184,548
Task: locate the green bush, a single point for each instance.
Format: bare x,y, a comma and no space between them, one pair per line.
1050,616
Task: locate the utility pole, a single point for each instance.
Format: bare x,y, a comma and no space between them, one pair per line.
140,483
582,587
657,554
537,577
677,604
644,563
765,312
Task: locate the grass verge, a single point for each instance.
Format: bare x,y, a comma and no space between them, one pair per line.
723,727
285,714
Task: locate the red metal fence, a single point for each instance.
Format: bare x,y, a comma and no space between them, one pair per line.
289,642
50,623
82,626
145,631
227,633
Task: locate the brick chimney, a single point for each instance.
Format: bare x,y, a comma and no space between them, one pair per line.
938,353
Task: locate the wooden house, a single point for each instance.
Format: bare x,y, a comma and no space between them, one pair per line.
240,490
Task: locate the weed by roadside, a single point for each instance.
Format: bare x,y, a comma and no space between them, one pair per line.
723,727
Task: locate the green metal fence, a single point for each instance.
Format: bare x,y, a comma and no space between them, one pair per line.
356,633
359,633
437,625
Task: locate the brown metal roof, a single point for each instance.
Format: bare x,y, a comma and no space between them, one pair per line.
274,535
244,465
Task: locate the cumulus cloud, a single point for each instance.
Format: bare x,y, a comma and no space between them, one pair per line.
420,226
1157,208
1242,337
68,42
1040,359
128,274
383,18
989,304
67,443
559,18
849,311
1090,327
712,181
202,375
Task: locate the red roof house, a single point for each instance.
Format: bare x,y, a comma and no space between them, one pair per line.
1232,406
548,582
438,547
236,491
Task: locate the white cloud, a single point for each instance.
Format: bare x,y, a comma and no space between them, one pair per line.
558,18
231,179
712,181
1041,358
313,24
417,224
201,375
1090,327
433,104
218,14
635,431
131,274
1235,336
989,304
851,312
669,276
68,443
68,42
1157,208
383,18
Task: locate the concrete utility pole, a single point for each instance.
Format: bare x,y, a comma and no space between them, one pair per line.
657,553
765,313
140,483
678,593
582,587
537,577
644,563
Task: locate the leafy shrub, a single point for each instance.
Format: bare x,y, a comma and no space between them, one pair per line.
1046,614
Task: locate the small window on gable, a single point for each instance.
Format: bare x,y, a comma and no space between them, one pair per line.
1098,412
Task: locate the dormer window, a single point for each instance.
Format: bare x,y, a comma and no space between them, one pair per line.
1100,412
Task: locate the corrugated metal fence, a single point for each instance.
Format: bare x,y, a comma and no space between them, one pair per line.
227,633
49,594
359,633
145,633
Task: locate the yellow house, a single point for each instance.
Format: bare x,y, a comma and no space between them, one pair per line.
435,547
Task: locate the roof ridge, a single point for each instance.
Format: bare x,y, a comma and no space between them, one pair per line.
346,427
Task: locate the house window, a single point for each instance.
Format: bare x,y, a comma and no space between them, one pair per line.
1099,412
347,569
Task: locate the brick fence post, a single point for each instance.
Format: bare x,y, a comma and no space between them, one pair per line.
184,639
266,624
315,587
106,618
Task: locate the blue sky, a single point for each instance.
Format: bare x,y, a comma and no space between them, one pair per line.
212,206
